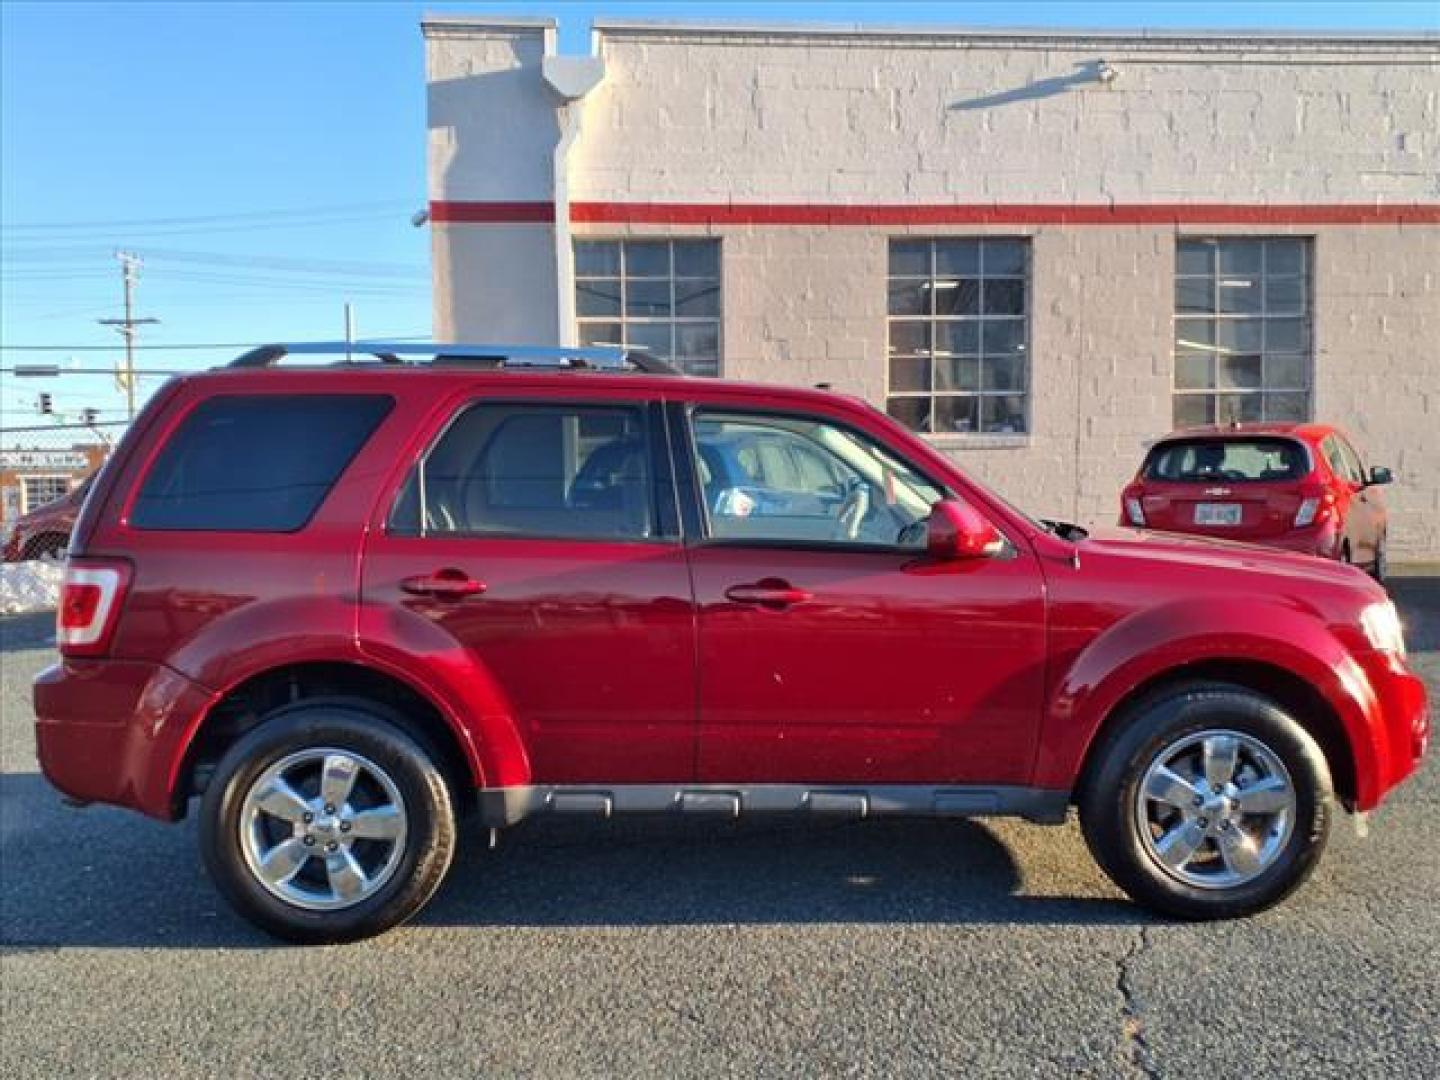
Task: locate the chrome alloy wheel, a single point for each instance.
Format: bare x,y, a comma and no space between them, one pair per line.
1215,809
323,829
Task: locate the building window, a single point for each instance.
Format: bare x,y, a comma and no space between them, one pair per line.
39,490
1242,330
662,296
959,357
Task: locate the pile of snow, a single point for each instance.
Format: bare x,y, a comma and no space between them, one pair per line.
30,586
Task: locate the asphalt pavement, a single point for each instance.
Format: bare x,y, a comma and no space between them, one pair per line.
686,949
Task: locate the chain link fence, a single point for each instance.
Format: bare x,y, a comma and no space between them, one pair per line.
44,469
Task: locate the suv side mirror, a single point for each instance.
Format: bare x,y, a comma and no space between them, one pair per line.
1381,475
957,531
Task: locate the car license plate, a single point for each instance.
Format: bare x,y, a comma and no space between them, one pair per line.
1217,514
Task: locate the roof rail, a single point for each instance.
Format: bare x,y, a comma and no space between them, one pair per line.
442,354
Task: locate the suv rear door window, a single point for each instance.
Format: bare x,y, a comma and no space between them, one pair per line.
255,463
567,472
1209,461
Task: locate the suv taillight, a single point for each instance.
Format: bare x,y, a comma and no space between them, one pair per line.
90,600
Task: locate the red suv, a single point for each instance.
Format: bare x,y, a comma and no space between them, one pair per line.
44,533
1301,487
347,606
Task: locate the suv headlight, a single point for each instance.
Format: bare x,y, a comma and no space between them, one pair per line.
1381,623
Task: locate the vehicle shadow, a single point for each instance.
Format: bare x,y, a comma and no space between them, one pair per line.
104,878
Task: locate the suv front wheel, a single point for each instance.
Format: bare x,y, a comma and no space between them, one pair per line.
327,823
1208,802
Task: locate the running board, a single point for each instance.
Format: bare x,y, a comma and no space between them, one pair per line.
506,806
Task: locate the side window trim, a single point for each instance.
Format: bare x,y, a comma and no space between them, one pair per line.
685,449
664,505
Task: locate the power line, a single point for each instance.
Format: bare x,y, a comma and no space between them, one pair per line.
203,219
168,346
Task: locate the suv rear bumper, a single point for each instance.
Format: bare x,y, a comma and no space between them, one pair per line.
113,731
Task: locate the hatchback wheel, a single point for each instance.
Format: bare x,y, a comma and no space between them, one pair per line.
327,823
1208,802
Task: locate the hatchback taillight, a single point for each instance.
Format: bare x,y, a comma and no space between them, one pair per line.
1314,508
90,600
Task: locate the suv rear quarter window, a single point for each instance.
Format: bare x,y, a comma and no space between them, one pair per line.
255,463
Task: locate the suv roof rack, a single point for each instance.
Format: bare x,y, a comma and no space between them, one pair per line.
443,354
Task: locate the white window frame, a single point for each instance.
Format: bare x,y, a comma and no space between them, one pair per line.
933,320
26,505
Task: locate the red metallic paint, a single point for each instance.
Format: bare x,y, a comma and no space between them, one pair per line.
628,662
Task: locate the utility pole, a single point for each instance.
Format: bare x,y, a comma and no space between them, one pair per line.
130,273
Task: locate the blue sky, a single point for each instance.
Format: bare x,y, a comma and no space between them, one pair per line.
264,159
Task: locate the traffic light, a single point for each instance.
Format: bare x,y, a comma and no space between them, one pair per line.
46,406
88,417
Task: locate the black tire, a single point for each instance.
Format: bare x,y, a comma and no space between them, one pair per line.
1111,817
423,857
1380,568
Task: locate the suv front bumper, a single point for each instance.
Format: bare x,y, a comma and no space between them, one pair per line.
114,731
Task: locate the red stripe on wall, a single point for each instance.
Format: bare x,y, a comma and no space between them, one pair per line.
652,213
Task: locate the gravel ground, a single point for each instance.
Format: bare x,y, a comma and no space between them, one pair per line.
683,949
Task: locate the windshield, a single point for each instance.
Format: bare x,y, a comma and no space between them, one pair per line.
1206,461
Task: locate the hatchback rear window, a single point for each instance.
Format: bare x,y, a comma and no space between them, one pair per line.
260,463
1206,461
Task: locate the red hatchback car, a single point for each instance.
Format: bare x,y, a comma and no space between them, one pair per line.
347,607
1301,487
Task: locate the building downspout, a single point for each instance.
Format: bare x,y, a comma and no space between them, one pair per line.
571,78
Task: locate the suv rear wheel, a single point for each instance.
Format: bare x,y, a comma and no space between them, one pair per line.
1208,802
327,823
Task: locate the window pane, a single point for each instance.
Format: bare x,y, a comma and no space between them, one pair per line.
1195,295
597,258
1287,372
1286,335
1194,257
909,338
909,298
1239,372
1194,372
957,296
1192,410
957,414
503,470
1287,407
233,463
1004,373
1240,257
1195,336
654,338
1237,336
601,333
910,258
1004,297
647,299
1000,337
1239,295
1285,296
957,373
1003,415
909,373
697,298
697,258
957,258
1238,408
913,412
1285,256
957,338
697,347
1004,257
647,258
597,298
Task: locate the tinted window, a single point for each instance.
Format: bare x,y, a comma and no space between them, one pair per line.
576,472
1210,461
260,463
788,479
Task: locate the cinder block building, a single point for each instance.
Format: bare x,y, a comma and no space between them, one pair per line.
1042,250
